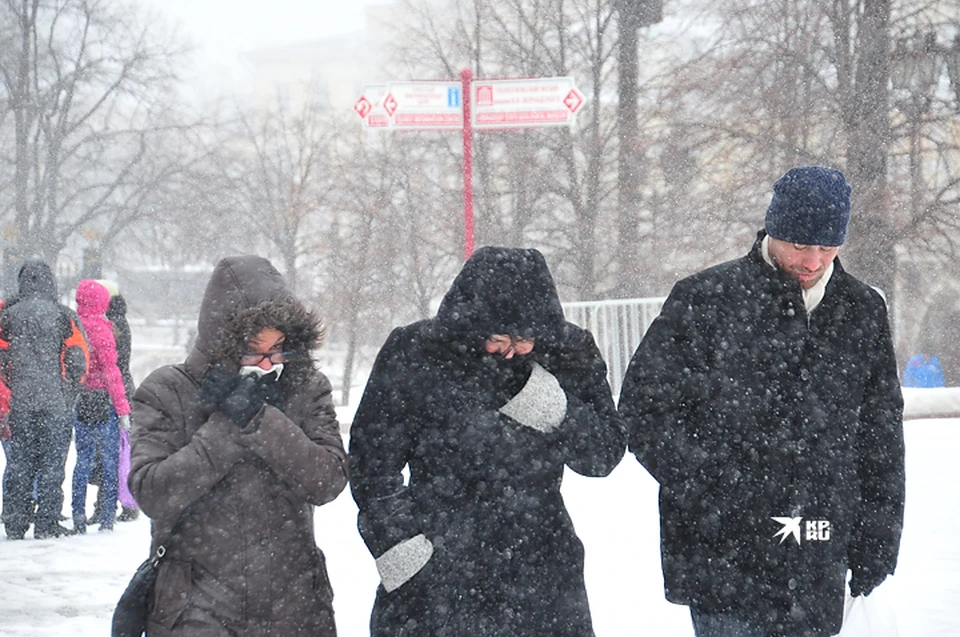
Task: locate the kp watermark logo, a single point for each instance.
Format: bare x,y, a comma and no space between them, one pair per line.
815,530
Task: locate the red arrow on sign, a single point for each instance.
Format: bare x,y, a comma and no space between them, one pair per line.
573,100
363,107
390,104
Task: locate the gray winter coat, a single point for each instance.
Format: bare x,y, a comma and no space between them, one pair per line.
240,505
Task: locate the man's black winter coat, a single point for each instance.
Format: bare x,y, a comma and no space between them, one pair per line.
745,409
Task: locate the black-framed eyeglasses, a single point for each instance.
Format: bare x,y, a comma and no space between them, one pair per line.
255,358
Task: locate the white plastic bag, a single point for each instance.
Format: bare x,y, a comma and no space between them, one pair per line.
869,616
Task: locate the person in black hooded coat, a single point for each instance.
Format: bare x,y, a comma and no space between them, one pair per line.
485,404
45,365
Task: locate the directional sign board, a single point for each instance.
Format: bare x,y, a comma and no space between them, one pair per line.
369,106
545,101
424,105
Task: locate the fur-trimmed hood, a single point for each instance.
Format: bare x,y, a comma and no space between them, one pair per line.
246,294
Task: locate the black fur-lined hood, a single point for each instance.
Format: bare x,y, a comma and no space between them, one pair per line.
246,294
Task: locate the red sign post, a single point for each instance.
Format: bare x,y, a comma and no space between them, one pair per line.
466,75
470,105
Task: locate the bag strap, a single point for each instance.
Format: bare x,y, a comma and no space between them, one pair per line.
155,560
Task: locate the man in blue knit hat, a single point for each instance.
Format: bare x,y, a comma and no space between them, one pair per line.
765,400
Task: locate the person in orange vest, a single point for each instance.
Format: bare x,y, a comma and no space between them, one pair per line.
45,365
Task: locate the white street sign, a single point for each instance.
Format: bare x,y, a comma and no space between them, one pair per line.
424,105
369,106
547,101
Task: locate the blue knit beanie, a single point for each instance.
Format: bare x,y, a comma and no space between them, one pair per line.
810,206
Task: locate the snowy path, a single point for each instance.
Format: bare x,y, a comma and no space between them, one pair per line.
68,586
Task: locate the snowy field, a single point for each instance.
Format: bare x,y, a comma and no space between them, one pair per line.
68,586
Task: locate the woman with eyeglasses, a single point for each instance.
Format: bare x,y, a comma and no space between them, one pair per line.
232,450
457,451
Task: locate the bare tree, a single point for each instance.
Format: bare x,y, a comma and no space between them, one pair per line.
770,84
280,178
552,187
87,92
391,248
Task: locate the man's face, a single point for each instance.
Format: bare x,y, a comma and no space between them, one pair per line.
806,264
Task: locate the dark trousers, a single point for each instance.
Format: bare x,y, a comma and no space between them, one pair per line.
90,436
36,452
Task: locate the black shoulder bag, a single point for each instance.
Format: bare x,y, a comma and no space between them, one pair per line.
130,616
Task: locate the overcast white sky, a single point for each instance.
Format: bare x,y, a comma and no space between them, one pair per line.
222,29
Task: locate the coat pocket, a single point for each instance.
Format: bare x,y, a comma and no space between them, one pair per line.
171,593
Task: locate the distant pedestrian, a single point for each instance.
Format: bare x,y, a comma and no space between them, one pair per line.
766,402
101,409
485,405
4,397
923,370
232,450
117,314
45,365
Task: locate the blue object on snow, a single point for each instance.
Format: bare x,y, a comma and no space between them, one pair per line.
923,370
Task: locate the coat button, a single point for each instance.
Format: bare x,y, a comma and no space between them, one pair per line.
792,584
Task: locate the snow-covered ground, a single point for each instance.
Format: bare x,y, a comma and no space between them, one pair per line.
68,586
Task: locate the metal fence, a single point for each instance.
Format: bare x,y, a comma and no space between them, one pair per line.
617,325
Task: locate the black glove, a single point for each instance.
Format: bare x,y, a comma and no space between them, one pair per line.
217,385
863,581
243,402
240,397
249,396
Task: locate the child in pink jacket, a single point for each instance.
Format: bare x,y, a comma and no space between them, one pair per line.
101,407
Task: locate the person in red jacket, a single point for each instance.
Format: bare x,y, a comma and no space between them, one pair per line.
117,315
102,407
